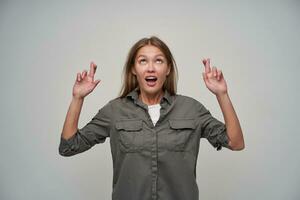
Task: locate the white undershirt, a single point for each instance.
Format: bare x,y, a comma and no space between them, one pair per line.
154,112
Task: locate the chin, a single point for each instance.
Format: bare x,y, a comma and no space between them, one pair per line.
155,90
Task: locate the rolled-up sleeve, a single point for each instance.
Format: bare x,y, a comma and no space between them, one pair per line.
213,130
94,132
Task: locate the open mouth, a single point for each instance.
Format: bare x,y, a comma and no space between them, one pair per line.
151,80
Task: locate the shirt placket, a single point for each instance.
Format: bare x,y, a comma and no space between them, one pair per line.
154,151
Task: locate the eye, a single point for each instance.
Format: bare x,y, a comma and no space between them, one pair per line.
142,61
159,61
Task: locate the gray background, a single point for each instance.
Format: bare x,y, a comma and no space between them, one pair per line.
43,45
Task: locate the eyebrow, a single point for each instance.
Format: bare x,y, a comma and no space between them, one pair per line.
155,55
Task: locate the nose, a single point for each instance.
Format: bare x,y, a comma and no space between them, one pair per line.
151,67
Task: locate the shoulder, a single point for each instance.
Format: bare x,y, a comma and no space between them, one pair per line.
109,107
119,102
187,100
190,105
109,104
116,100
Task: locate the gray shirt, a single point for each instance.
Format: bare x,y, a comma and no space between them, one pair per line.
151,162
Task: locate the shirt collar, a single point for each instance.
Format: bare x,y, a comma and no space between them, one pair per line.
134,94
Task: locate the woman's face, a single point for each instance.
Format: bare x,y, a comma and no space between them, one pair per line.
151,69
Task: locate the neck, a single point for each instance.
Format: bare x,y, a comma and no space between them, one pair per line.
151,99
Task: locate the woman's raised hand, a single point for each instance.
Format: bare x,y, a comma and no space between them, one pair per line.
214,79
85,82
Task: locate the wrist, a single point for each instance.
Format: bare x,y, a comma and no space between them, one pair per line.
222,94
77,99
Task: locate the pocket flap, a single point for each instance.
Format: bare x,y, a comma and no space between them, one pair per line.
182,123
129,125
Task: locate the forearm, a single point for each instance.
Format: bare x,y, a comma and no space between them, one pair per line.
71,121
232,123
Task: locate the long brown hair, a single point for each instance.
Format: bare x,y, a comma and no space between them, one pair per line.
129,79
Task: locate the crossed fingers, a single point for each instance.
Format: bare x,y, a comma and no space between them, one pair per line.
211,72
91,73
93,68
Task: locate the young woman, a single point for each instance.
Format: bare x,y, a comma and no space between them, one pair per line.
154,132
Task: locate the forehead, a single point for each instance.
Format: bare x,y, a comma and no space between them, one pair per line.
149,51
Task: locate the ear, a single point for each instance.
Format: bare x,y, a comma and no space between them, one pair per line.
133,70
169,70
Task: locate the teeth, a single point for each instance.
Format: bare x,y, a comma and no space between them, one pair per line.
150,78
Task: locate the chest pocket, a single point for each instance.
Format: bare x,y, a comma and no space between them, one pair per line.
130,135
180,133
